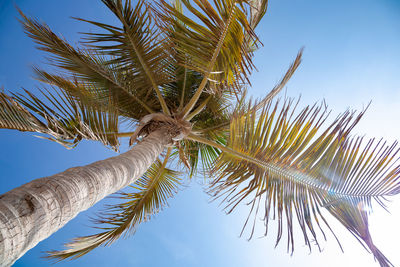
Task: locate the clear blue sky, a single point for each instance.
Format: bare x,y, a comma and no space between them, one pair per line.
352,56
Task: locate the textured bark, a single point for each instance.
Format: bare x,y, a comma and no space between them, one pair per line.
33,211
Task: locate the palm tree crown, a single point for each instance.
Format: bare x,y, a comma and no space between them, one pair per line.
185,66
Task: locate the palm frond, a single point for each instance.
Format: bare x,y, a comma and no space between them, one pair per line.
213,128
212,123
258,8
276,156
177,91
289,73
136,48
15,116
192,153
216,46
84,65
183,88
92,95
151,193
64,119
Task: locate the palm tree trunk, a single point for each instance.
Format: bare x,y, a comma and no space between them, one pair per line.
33,211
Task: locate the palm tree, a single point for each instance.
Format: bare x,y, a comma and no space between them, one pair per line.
175,83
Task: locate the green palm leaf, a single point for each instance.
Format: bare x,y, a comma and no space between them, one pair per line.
217,44
93,96
84,65
216,47
192,153
137,48
151,193
278,157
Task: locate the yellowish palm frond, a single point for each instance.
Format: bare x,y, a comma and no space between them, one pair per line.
281,165
258,8
215,44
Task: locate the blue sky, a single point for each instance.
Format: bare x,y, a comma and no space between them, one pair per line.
351,56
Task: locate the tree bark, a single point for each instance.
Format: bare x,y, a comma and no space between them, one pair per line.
33,211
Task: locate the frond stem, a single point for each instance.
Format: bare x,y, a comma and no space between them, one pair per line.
183,91
214,127
203,83
127,134
293,175
224,149
199,108
145,67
